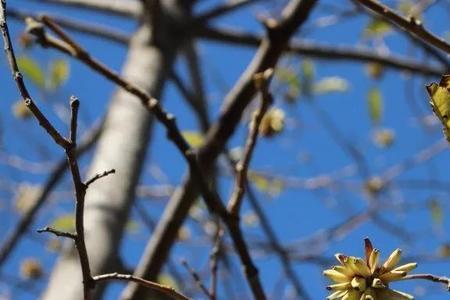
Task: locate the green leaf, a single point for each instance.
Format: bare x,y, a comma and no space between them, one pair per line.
375,104
290,78
132,227
271,186
437,214
377,28
59,73
31,69
168,280
308,74
194,138
440,102
64,223
308,70
330,85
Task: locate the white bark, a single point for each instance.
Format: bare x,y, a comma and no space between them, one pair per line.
122,147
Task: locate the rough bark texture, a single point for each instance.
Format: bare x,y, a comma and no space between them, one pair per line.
122,147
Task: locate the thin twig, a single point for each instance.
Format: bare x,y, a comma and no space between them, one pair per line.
58,233
262,82
325,52
131,9
55,176
412,25
211,198
18,78
99,176
82,26
430,277
223,9
214,258
196,278
69,147
167,290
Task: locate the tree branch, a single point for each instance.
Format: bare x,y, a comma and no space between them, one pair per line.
96,30
431,277
411,25
55,176
332,53
130,9
223,9
262,82
166,290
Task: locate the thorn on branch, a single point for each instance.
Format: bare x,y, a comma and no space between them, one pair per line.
58,233
99,176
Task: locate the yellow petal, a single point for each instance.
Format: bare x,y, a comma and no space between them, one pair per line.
392,276
339,286
373,260
368,247
377,283
406,267
369,294
337,295
352,295
341,258
336,276
359,283
362,267
344,270
393,260
388,294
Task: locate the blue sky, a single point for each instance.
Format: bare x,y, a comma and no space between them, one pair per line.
304,150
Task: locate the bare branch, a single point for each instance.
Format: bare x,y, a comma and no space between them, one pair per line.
130,9
55,176
223,9
236,101
58,233
411,25
262,82
431,277
325,52
99,176
93,29
167,290
197,279
9,50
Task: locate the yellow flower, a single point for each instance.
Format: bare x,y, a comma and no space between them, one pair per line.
365,279
272,122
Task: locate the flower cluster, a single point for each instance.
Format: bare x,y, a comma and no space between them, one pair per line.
365,279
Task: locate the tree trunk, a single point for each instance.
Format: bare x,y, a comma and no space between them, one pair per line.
122,146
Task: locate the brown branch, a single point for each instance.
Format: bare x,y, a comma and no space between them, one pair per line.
99,176
212,200
130,9
411,25
18,78
214,257
223,9
55,176
93,29
69,147
262,82
166,290
58,233
196,278
431,277
236,101
325,52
